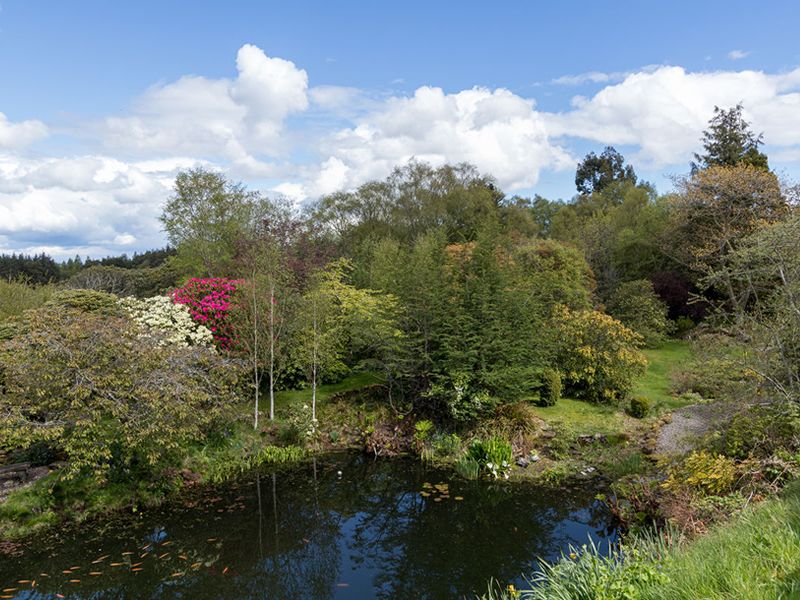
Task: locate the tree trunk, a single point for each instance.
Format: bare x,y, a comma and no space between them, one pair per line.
314,363
271,349
256,379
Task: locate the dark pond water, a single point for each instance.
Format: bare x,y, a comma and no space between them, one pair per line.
387,529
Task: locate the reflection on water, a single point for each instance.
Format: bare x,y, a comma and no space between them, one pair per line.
342,527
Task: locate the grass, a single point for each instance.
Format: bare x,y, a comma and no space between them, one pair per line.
755,556
663,361
354,381
582,418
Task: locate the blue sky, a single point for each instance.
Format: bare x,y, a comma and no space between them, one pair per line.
103,102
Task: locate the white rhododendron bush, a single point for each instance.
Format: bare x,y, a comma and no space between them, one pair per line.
171,323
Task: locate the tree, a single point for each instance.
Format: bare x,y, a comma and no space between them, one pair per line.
635,305
728,142
337,318
266,299
204,218
714,210
767,263
594,173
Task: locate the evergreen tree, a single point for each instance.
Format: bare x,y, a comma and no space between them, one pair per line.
729,142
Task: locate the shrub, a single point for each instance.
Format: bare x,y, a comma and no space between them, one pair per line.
759,432
716,371
446,445
636,305
639,407
91,387
549,387
209,302
703,472
120,281
464,402
170,323
598,356
494,455
90,301
684,324
423,430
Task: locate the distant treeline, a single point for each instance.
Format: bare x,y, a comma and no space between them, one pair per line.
41,268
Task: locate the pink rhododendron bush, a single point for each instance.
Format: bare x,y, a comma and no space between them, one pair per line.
210,301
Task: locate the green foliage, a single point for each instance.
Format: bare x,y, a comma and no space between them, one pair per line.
493,455
467,467
239,454
636,306
446,445
90,386
142,282
704,473
549,387
423,430
684,324
639,407
588,574
594,173
760,432
728,141
18,296
91,301
597,355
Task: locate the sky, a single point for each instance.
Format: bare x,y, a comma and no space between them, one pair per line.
103,103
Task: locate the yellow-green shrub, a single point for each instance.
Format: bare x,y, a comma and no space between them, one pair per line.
598,356
703,472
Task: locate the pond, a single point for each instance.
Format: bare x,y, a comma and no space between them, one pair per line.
341,527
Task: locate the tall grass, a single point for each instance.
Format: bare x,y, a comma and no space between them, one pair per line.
754,557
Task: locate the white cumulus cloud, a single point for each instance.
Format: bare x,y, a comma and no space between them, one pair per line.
664,112
498,131
238,120
17,135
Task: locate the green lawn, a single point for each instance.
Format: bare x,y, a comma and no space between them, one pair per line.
583,418
351,382
656,384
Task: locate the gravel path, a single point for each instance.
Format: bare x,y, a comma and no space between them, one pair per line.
689,423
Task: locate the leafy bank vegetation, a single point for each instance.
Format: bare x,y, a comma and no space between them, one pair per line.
430,314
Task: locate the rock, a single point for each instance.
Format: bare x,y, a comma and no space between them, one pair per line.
522,462
599,437
588,471
535,457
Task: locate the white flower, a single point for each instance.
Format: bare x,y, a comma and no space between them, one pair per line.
172,321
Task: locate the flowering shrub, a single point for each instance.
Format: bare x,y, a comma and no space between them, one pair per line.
209,303
172,321
598,356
